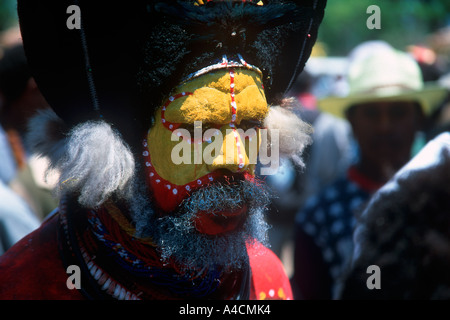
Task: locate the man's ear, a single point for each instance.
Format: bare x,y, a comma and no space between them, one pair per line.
31,84
421,119
2,101
350,116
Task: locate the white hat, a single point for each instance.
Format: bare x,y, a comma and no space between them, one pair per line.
385,75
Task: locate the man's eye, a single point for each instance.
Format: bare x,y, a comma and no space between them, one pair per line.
198,128
371,112
188,127
250,124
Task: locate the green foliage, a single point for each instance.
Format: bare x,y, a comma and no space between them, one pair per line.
403,22
8,14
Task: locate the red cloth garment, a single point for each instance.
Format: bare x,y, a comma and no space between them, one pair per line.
33,270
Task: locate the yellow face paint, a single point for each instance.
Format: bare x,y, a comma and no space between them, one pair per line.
227,102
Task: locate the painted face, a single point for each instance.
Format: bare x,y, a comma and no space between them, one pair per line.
207,131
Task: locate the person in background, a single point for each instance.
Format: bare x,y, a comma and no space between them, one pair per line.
20,99
16,217
386,105
325,159
404,233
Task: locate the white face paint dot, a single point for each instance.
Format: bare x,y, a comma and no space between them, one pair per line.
210,178
145,153
151,174
163,120
158,181
199,182
183,93
238,144
232,85
144,143
168,186
188,188
171,98
170,126
147,164
241,165
240,156
271,292
175,191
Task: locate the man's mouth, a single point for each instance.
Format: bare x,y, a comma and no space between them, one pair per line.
214,223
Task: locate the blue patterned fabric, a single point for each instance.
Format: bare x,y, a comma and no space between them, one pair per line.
329,219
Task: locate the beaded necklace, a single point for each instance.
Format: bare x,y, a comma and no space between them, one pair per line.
117,265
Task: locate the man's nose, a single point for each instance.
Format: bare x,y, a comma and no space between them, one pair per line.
232,155
385,122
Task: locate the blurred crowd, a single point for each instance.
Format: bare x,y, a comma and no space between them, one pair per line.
25,186
372,112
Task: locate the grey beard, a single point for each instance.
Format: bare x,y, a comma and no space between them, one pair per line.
177,239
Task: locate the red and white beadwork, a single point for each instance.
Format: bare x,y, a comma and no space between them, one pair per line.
171,193
233,121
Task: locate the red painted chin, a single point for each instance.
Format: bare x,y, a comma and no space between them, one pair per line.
222,222
168,196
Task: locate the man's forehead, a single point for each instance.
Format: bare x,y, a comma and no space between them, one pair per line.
221,80
202,2
388,103
209,98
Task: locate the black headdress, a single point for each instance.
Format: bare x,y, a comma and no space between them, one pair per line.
127,56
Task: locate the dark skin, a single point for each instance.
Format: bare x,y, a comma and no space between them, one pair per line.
19,111
385,132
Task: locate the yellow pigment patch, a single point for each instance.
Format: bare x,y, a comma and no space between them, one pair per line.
160,149
210,102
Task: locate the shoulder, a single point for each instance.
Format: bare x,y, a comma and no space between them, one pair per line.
33,269
269,279
16,219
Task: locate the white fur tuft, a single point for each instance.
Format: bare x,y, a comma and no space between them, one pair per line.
92,159
293,133
97,163
46,135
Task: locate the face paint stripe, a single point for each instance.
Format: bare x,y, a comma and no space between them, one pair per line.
233,120
170,125
224,60
172,193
